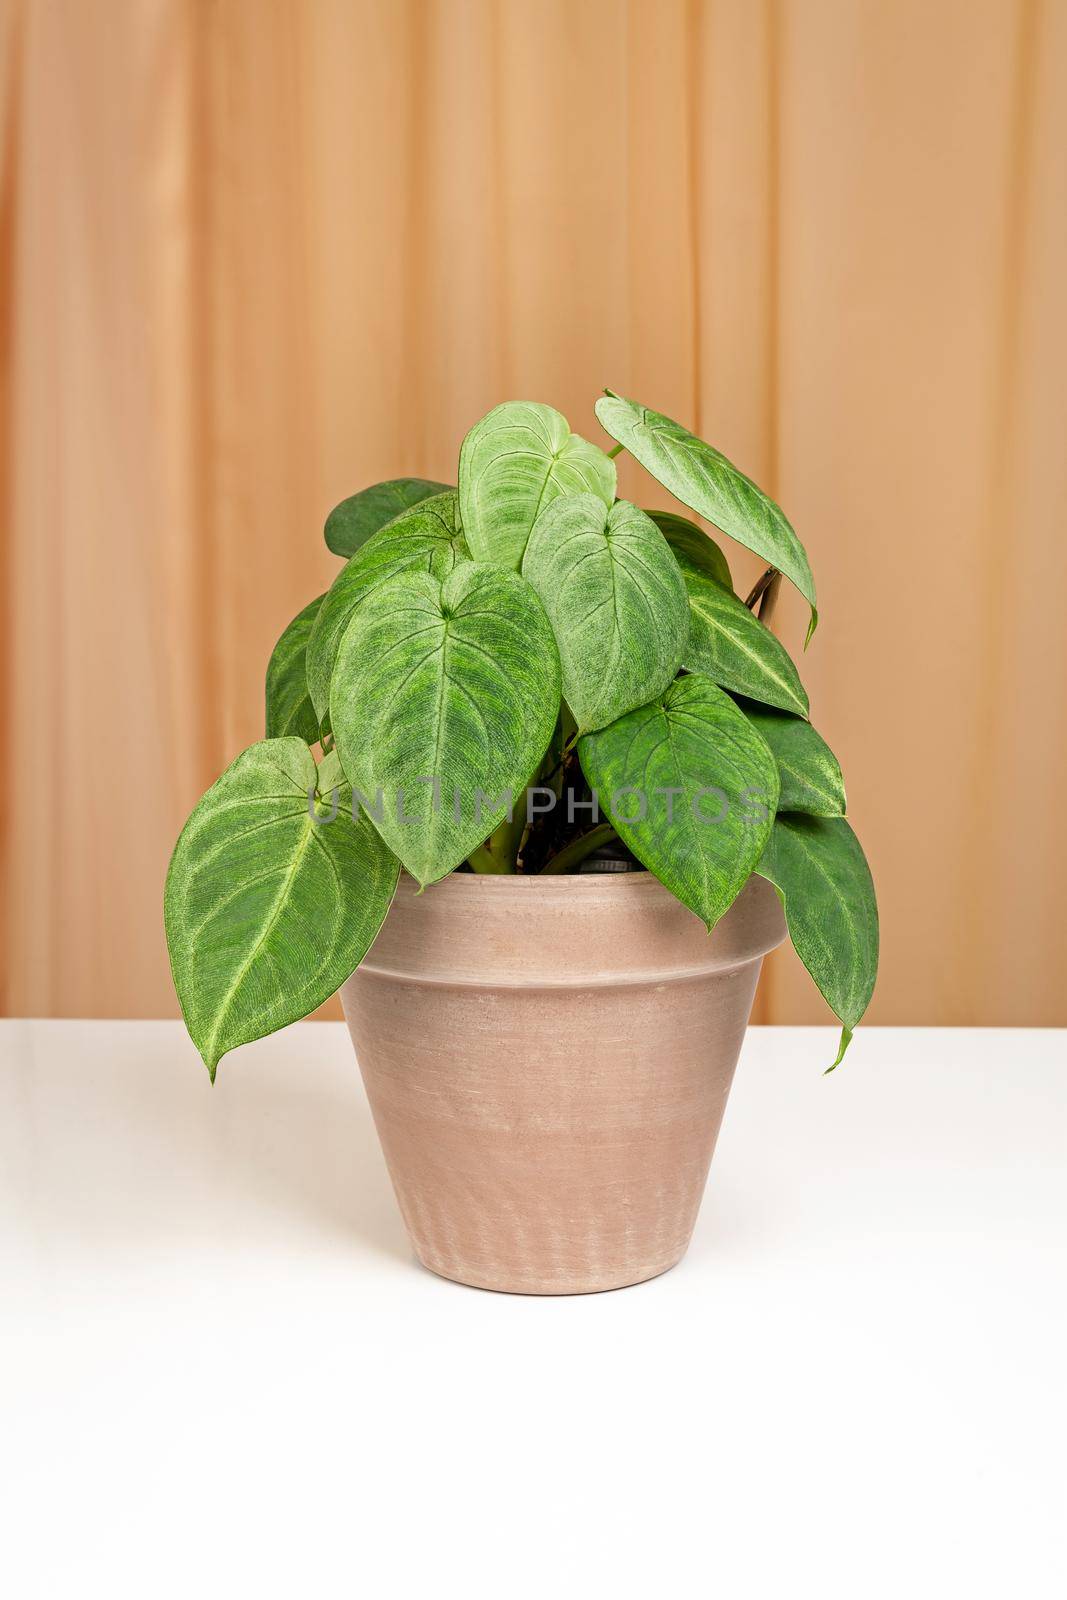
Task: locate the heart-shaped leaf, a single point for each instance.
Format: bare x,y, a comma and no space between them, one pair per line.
691,788
351,524
807,767
289,707
616,601
512,464
693,546
824,883
268,910
701,478
424,539
728,643
444,698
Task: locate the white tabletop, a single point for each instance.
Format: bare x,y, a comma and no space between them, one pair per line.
221,1372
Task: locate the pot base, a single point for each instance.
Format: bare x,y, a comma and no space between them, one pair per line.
544,1288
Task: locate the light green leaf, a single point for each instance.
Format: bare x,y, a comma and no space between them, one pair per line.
444,699
289,708
691,544
331,776
351,524
824,883
268,911
616,601
810,776
424,539
513,463
707,786
713,487
731,645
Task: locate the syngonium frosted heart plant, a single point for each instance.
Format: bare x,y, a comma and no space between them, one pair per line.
517,675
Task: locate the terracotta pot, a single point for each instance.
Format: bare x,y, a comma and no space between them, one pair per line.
547,1060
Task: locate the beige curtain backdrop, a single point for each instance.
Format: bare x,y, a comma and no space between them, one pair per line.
256,255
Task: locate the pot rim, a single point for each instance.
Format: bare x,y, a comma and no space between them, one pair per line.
460,933
545,879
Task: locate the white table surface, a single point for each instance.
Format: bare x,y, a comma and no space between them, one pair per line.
221,1372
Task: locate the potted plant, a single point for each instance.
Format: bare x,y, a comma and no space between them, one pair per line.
549,710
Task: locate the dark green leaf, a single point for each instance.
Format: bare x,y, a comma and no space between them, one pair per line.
823,881
513,463
267,911
731,645
707,783
691,544
616,601
425,539
351,524
713,487
454,685
289,707
810,776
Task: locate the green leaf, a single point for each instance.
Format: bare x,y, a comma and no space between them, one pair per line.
268,911
707,784
810,776
351,524
701,478
289,707
513,463
691,544
424,539
732,646
616,601
331,777
444,699
824,883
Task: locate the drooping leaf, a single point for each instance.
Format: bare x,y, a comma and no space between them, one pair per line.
425,539
824,883
444,699
267,910
513,463
731,645
616,601
807,767
691,544
351,524
700,787
289,707
703,479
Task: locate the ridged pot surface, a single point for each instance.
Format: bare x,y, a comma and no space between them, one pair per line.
547,1060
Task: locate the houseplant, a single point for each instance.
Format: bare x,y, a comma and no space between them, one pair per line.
508,683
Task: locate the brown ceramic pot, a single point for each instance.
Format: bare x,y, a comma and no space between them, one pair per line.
547,1060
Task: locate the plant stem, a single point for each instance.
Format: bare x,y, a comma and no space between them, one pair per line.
498,853
483,860
613,453
761,585
769,600
573,854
